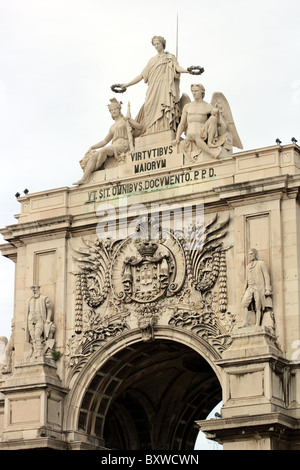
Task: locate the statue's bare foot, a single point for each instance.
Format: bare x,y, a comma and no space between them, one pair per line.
77,183
215,153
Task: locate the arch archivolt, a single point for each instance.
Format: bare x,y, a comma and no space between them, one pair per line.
107,374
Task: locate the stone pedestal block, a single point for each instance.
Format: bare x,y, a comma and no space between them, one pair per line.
34,400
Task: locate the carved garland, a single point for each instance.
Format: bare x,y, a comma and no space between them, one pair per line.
223,283
78,304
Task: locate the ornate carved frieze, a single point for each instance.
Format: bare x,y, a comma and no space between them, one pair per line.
169,278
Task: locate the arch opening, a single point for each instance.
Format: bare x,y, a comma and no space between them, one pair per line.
148,397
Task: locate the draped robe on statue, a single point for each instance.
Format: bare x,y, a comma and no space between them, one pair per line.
161,108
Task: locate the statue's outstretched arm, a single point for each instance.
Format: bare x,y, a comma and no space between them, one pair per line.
133,82
180,69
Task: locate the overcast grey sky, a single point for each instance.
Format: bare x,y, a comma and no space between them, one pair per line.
58,59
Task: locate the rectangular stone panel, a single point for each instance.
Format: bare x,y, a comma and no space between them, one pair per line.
45,272
250,163
54,411
45,267
246,385
47,201
258,235
25,410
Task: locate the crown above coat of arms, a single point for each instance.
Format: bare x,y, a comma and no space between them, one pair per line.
146,247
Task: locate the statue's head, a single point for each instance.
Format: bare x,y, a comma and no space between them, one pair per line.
115,107
160,39
253,254
35,291
198,86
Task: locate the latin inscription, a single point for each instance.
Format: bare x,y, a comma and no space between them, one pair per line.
151,184
141,163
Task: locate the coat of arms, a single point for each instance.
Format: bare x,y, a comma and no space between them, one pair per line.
147,274
144,269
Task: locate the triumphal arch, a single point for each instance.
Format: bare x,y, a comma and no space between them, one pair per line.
163,281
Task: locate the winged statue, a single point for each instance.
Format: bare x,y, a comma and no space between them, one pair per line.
209,127
227,124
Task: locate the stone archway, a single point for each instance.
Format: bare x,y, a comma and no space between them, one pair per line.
147,396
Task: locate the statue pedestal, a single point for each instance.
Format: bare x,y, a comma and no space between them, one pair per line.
254,368
251,341
36,370
33,405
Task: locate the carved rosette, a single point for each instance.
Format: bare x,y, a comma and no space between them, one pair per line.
173,279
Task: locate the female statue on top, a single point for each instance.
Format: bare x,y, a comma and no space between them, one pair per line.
161,110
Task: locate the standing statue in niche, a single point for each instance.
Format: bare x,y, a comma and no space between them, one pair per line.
257,289
209,127
120,134
40,328
161,110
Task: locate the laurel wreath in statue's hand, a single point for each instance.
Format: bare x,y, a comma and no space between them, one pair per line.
195,70
117,88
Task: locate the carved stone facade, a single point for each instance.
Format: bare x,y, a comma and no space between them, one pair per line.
167,283
134,282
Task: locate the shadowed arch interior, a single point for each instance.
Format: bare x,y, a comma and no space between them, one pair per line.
148,396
